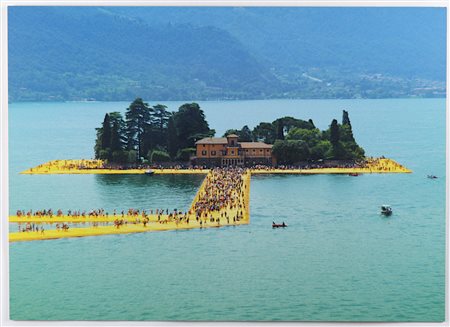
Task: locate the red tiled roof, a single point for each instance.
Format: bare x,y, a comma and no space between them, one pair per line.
212,140
255,145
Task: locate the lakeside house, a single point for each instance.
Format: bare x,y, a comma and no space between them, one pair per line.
227,151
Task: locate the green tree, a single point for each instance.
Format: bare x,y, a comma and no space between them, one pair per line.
310,136
264,132
321,150
132,155
172,138
289,152
191,125
106,132
116,142
185,154
98,142
334,133
245,134
160,120
116,117
346,128
345,118
137,121
158,156
279,129
231,131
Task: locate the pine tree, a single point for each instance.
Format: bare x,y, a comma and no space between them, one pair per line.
172,138
116,144
137,121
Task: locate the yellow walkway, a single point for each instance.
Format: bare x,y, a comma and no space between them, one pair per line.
133,224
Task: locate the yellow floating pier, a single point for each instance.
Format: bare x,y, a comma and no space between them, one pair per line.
82,166
235,212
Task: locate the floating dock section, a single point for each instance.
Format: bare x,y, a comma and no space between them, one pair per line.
203,213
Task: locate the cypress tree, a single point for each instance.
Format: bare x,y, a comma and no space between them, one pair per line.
106,133
172,138
345,118
334,132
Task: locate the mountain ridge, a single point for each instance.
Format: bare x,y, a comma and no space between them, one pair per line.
118,53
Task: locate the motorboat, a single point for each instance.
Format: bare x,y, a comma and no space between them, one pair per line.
386,210
275,225
432,176
149,172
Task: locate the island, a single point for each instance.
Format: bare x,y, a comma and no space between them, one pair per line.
152,140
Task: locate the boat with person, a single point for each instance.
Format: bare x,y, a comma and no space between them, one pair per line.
275,225
386,210
432,176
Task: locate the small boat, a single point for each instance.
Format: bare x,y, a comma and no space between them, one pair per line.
432,176
274,225
386,210
353,174
149,172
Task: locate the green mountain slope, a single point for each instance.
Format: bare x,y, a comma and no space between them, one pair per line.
61,53
176,53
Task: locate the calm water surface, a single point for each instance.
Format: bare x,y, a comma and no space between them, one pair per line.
338,260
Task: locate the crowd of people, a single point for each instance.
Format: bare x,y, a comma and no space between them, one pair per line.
221,199
222,194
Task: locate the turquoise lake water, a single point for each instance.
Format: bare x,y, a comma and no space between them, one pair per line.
338,260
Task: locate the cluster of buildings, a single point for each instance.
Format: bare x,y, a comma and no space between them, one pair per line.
227,151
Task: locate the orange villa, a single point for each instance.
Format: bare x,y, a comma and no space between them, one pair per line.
227,151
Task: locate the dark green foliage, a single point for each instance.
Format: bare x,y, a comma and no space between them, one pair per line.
322,150
337,142
290,152
160,120
310,136
285,124
119,156
191,125
172,138
185,154
334,133
264,132
98,143
169,136
105,53
279,129
116,143
231,131
346,133
345,118
110,137
137,123
157,156
346,128
245,134
106,132
104,154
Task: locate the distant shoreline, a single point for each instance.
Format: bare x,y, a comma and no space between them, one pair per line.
226,100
